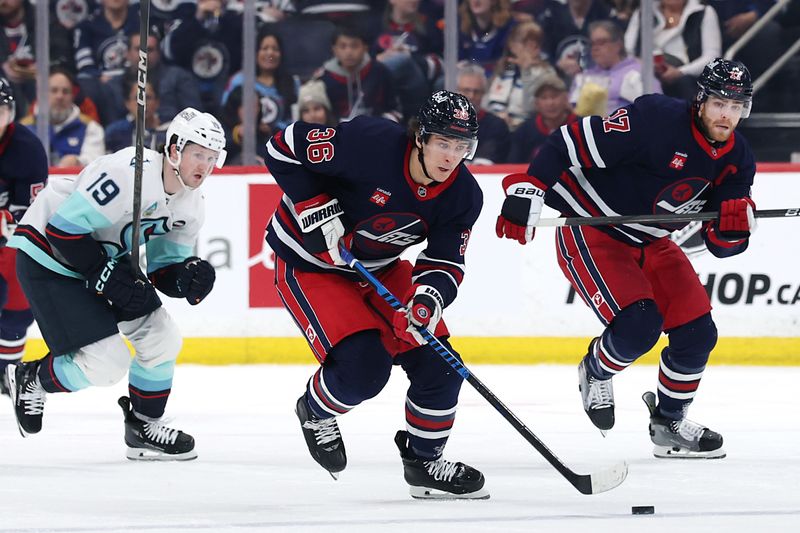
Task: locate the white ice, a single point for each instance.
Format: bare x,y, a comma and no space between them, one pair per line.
254,472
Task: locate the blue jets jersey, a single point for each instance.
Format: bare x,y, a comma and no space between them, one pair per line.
645,158
364,164
23,169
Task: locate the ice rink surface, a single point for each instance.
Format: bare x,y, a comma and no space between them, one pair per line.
254,472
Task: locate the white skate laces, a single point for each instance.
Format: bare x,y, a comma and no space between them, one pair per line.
601,393
325,429
33,398
442,470
691,431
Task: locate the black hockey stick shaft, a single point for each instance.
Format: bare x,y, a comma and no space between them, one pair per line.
659,219
583,482
141,102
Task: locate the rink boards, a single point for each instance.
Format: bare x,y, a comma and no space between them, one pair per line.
514,305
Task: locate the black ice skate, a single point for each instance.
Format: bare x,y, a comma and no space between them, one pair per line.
27,395
681,439
439,479
598,397
151,440
323,439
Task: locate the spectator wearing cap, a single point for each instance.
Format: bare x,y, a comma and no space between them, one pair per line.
517,75
75,139
493,136
614,81
314,105
552,110
122,133
355,83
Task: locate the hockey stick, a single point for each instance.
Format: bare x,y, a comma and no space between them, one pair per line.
659,219
585,483
141,100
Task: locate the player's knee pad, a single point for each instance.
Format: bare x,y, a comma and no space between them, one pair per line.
15,323
432,378
691,343
155,337
104,362
358,367
636,329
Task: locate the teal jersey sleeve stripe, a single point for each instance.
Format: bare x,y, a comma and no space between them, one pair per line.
162,252
77,210
66,226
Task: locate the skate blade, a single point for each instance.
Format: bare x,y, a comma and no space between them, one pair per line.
334,475
143,454
604,432
674,452
425,493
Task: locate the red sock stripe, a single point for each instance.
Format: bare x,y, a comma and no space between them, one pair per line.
53,378
428,424
324,397
148,395
608,362
678,386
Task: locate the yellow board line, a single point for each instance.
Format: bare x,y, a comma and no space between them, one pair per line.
761,351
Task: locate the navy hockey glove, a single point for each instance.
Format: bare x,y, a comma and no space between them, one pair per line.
7,226
196,279
521,208
115,282
320,221
736,219
424,309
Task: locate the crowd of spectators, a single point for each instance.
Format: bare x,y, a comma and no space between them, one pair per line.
528,66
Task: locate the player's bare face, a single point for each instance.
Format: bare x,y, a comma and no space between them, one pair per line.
720,117
443,154
197,162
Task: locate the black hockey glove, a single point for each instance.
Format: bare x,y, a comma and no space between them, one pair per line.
195,279
114,281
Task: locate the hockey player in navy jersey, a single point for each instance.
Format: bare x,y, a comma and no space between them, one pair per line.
657,155
75,268
23,173
380,189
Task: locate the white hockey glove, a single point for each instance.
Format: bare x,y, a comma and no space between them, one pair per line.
521,208
424,309
322,228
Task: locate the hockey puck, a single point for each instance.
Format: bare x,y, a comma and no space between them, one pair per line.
643,509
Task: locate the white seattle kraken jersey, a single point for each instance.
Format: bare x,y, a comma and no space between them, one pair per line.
99,201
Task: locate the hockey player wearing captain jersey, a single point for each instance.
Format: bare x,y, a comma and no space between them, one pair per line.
23,167
73,263
380,189
657,155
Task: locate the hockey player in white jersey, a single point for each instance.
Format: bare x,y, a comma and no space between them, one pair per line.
74,266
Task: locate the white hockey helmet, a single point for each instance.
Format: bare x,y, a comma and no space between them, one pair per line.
190,125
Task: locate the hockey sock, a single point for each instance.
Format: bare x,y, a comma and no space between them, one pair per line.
149,388
61,374
682,365
428,429
633,332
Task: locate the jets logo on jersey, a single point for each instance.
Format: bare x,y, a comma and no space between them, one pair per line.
380,197
683,197
678,161
385,233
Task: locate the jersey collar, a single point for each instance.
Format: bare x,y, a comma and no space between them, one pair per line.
6,137
713,152
422,192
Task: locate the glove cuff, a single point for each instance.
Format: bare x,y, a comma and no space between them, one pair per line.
317,211
519,178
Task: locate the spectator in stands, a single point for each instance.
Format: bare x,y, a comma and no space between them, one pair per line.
209,45
276,91
527,10
614,81
517,75
267,10
552,110
622,11
75,139
492,130
122,133
175,86
484,26
18,49
686,37
313,104
566,30
410,45
738,16
355,83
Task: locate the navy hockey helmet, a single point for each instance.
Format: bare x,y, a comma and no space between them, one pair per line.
450,115
7,98
726,79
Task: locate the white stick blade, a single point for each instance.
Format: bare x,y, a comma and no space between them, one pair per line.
609,478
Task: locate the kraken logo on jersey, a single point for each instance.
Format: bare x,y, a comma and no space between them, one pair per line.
151,227
682,197
388,234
